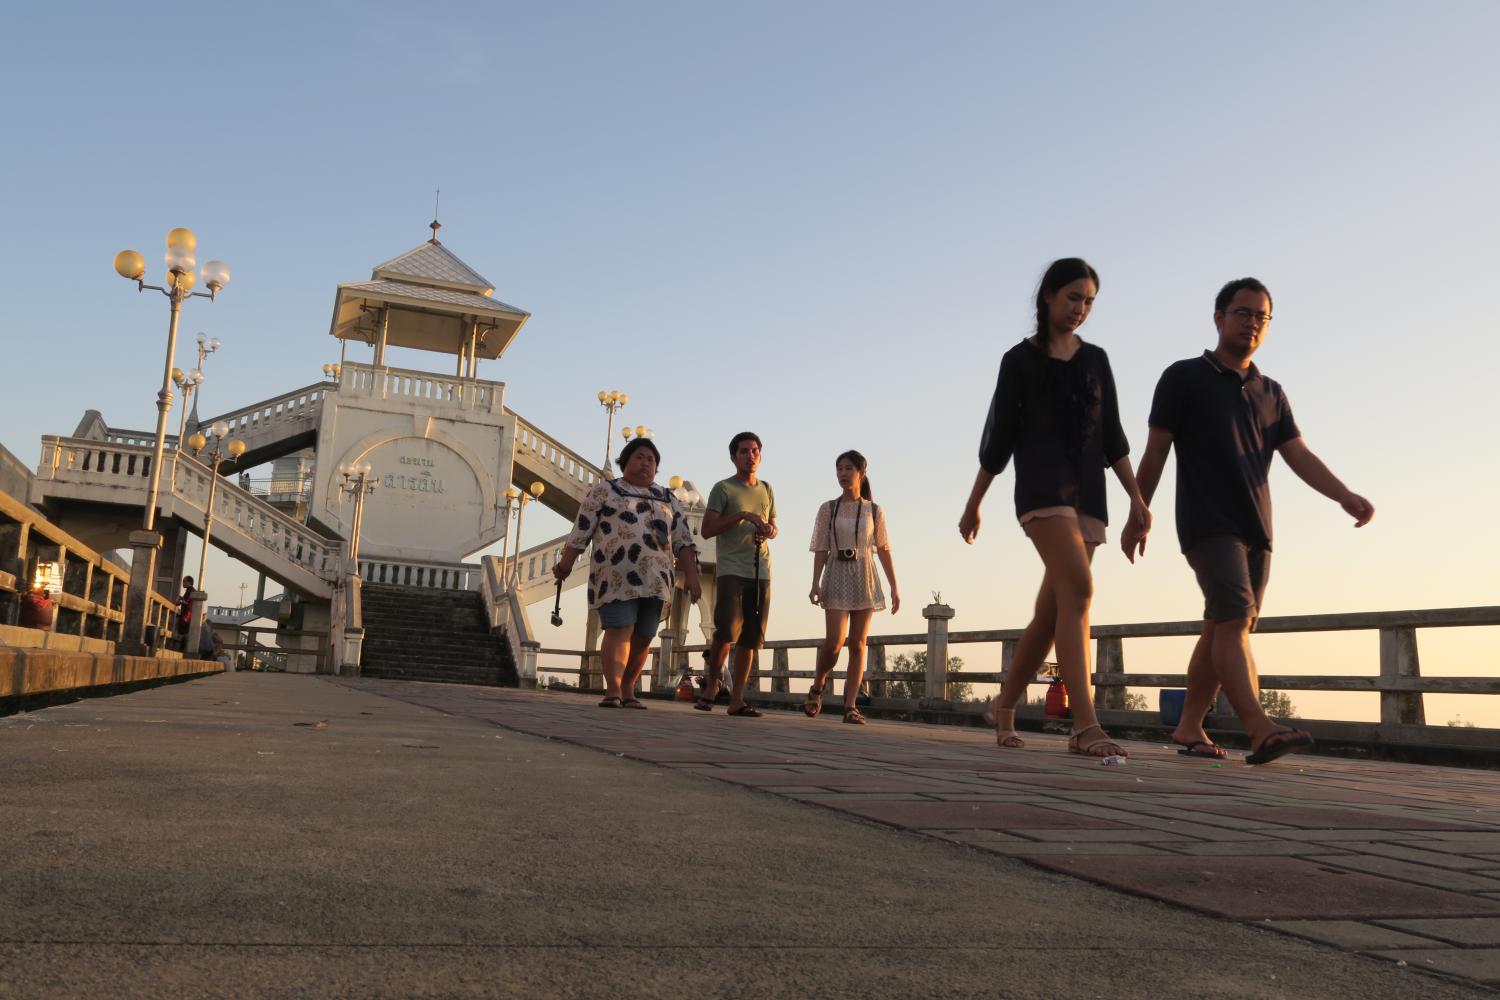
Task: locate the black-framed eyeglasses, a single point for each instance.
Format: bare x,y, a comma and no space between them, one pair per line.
1251,316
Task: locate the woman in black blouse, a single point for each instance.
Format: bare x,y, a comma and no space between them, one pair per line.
1055,411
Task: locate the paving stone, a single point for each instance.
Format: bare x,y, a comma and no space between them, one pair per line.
1332,836
764,776
1249,849
1107,836
1350,934
935,815
1332,818
1438,878
802,794
1470,931
1482,964
1470,837
1080,848
977,838
1245,888
1419,855
1154,823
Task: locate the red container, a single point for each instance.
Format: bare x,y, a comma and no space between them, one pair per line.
685,689
1057,700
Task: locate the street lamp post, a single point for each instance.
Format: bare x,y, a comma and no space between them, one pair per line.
611,401
358,483
512,498
533,493
235,447
129,264
332,371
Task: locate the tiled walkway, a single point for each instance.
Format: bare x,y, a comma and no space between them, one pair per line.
1397,861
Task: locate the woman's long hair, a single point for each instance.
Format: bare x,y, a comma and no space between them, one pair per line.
1059,273
858,461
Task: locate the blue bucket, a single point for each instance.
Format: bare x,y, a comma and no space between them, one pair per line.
1170,704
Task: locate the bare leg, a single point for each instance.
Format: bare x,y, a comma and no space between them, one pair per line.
742,662
713,668
640,648
613,651
1202,689
1065,554
835,624
1235,667
859,628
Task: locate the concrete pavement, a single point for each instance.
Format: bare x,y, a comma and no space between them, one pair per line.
289,836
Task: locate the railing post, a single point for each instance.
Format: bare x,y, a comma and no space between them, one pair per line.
145,546
1398,658
195,626
527,667
661,662
1109,661
781,665
938,616
875,664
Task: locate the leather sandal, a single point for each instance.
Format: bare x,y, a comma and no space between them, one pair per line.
813,703
1093,747
853,717
1004,721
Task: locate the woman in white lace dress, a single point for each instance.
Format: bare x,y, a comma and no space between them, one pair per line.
848,537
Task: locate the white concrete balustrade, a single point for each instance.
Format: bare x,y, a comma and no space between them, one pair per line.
243,524
408,573
555,463
424,387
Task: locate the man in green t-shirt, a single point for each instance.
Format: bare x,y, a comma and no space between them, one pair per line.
742,516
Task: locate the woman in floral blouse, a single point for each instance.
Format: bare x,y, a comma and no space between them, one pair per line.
636,528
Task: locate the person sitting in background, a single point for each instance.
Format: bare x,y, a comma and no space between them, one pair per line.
37,610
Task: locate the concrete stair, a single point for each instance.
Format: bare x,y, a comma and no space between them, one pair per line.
425,634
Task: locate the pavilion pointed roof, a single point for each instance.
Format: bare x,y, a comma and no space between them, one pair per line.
434,264
429,300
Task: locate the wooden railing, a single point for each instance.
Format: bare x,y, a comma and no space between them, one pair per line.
1396,675
91,591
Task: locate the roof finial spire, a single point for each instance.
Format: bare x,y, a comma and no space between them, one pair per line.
435,224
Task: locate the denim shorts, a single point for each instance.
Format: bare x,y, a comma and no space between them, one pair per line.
644,613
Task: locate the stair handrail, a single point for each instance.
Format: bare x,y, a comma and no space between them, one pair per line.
101,463
572,468
275,410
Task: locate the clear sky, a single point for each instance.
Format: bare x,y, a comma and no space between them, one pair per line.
823,222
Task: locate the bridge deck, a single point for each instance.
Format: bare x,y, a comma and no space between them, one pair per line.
284,835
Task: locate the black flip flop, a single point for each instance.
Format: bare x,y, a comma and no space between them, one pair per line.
632,703
610,702
1213,751
703,704
1295,740
747,712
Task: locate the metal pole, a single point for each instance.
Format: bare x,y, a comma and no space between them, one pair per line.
520,518
163,404
609,435
208,519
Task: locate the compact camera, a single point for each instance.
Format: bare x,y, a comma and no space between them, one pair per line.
846,555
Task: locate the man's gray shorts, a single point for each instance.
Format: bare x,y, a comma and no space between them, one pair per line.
1232,576
740,611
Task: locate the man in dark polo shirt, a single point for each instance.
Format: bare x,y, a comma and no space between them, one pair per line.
1226,421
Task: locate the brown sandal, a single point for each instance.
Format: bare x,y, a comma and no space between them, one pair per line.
813,703
1004,721
853,717
1094,748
